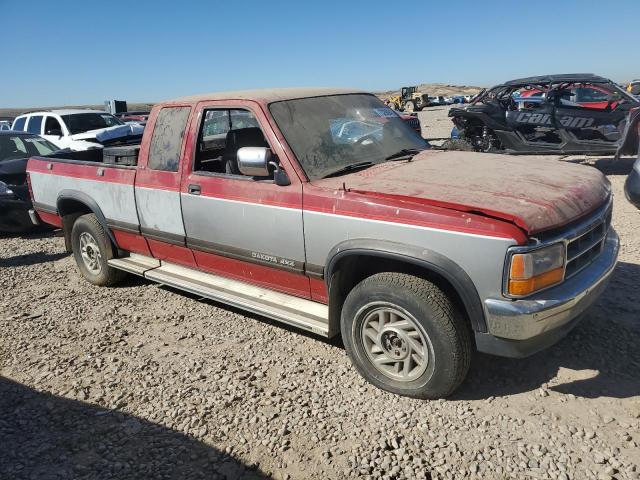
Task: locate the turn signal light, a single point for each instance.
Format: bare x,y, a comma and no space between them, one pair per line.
536,270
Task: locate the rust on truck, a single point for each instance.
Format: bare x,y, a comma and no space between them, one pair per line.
535,193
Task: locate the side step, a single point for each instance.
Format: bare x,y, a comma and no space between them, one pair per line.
134,263
295,311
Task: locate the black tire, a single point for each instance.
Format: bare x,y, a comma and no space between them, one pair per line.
435,316
99,252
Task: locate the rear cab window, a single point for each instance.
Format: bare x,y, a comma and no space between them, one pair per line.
166,142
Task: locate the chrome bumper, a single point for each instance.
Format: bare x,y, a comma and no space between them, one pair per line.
33,216
555,308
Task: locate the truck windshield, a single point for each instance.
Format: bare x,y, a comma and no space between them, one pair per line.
330,133
84,122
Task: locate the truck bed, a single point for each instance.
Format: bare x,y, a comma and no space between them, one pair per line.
84,177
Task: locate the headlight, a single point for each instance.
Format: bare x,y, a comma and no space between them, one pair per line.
535,270
5,191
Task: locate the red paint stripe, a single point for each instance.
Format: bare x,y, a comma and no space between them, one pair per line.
85,172
172,253
261,275
131,242
50,218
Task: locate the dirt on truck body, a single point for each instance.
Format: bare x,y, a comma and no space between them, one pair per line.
322,209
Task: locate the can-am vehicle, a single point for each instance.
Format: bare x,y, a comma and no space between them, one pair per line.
570,114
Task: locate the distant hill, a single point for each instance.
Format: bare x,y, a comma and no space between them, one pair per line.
437,89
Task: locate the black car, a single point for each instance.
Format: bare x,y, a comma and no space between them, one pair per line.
567,114
15,150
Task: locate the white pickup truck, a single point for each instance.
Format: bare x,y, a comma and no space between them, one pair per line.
78,129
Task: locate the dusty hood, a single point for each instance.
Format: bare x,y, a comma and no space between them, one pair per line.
533,192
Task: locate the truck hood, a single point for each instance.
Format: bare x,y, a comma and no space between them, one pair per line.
532,192
110,133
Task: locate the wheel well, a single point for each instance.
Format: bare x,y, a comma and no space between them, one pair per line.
69,210
352,269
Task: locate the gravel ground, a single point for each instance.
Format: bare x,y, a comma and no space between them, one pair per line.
142,381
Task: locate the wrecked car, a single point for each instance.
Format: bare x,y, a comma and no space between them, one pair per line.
329,213
559,114
78,129
15,150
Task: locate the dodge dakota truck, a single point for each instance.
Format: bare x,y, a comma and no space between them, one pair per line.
320,208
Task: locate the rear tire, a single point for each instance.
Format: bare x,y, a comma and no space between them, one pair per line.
405,336
92,249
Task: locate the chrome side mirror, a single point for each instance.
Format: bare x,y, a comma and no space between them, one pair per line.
254,161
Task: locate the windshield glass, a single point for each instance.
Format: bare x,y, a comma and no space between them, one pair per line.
83,122
330,133
23,146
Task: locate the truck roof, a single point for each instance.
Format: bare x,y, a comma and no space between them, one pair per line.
267,95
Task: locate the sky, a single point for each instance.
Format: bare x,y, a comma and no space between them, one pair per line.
84,52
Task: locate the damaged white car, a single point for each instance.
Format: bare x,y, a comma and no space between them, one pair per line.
78,129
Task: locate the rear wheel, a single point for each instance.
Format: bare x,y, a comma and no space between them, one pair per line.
404,335
92,249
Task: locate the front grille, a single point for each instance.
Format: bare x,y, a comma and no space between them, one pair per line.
587,244
413,123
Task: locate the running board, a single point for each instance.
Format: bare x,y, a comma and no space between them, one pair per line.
134,263
295,311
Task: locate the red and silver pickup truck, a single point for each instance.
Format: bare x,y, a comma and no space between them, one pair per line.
320,208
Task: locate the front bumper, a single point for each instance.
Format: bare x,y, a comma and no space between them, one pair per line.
632,185
523,327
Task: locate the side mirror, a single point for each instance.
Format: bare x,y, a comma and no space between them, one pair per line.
54,131
254,161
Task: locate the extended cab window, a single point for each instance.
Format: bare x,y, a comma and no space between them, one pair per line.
166,143
35,124
223,131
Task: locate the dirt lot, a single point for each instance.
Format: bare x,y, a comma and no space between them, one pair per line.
142,381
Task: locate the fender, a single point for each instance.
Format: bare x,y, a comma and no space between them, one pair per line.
418,256
90,203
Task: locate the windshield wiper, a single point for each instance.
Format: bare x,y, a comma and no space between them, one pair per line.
350,168
404,153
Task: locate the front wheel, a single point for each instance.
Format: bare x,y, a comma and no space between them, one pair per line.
409,106
92,249
404,335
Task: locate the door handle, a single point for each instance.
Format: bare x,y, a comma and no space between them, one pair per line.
194,189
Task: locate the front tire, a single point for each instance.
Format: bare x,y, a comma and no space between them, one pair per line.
409,106
92,249
405,336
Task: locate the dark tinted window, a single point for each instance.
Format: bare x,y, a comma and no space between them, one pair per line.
35,124
83,122
166,143
19,123
12,147
52,126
